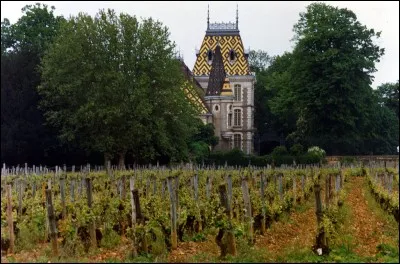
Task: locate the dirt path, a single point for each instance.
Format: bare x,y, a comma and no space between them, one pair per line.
366,226
299,230
187,250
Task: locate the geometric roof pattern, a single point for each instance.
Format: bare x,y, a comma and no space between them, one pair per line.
239,66
193,90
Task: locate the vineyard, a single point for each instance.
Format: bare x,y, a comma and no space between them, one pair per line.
200,214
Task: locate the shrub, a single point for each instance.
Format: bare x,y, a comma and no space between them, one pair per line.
296,149
279,151
317,151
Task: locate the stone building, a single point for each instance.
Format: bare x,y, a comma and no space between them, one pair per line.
222,71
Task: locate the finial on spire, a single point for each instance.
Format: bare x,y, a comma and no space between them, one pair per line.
208,16
237,17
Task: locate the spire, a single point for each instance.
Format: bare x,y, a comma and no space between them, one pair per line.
217,74
208,17
237,17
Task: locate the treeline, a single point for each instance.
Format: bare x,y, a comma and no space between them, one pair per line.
320,94
109,87
92,89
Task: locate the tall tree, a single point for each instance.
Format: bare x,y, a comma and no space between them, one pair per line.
24,138
113,84
259,61
332,68
388,95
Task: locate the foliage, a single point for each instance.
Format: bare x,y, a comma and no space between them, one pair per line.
346,160
320,94
332,68
297,149
317,151
259,60
388,201
24,138
388,95
280,150
202,141
126,92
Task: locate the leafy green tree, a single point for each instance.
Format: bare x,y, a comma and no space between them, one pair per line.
282,101
259,60
202,141
388,95
296,150
112,84
331,74
24,138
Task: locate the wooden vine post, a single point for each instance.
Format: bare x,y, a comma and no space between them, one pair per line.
139,217
225,238
92,228
10,222
230,196
262,192
172,196
208,187
19,196
52,222
132,188
196,198
321,242
280,186
247,204
62,191
327,191
294,190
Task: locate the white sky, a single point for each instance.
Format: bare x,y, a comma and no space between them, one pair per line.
263,25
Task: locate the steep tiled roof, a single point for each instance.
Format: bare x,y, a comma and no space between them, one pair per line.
193,90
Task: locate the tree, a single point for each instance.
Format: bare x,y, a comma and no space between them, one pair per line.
331,74
112,84
202,141
388,95
259,60
24,138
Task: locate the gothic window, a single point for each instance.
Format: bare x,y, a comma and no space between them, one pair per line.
238,92
237,141
237,118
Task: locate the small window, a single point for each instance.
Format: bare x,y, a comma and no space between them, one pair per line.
229,120
210,55
232,55
216,108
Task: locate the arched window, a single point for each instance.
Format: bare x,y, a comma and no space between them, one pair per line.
237,117
237,141
232,55
209,55
238,92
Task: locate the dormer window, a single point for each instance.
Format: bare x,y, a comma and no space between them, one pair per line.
232,55
210,55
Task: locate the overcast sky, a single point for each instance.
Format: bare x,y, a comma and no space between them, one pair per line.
263,25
